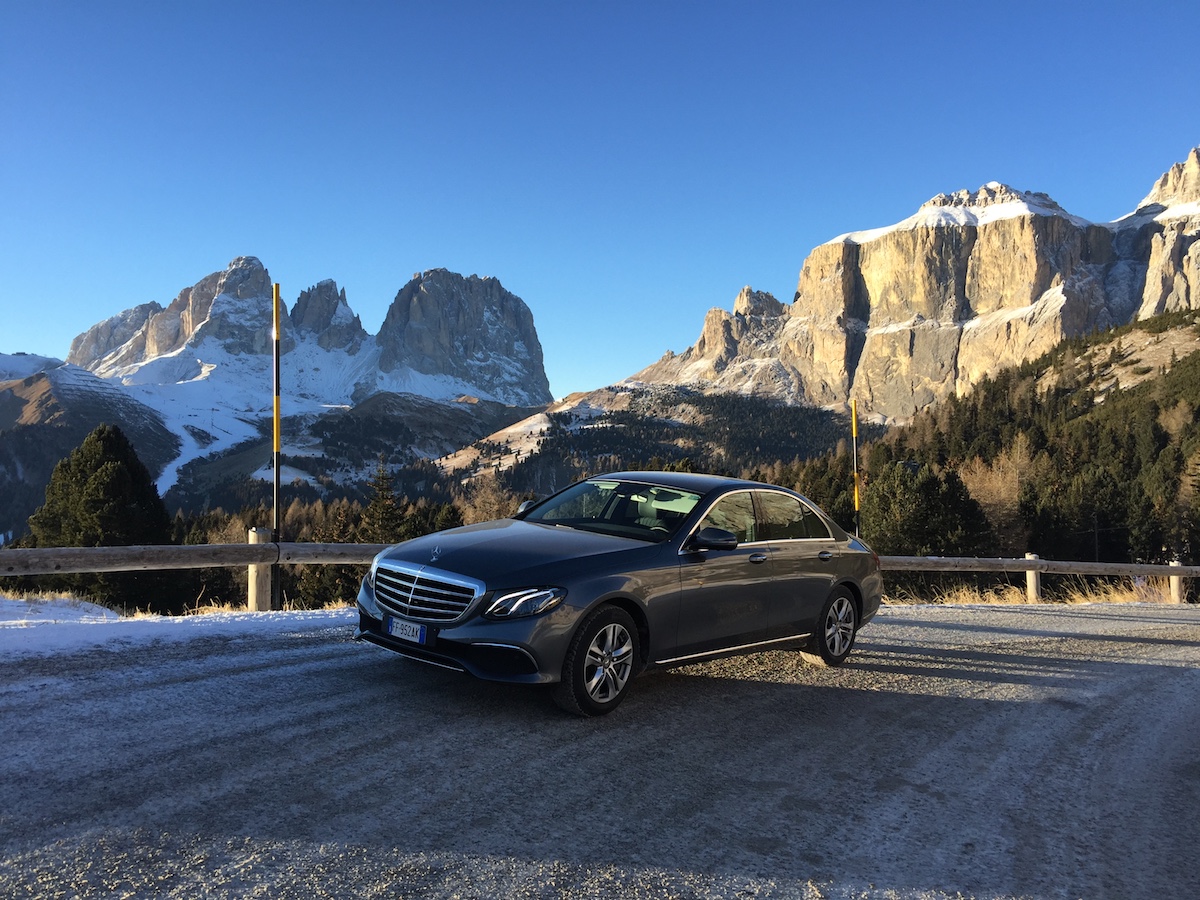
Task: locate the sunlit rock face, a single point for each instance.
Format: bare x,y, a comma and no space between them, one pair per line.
321,312
469,328
1173,269
233,307
904,316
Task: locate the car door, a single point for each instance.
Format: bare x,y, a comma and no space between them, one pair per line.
804,559
725,592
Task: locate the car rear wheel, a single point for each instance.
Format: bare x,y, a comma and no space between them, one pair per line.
836,629
599,663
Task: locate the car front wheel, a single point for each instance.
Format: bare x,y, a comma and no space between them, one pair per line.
834,637
599,663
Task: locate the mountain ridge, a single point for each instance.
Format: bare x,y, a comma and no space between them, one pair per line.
903,316
898,318
200,370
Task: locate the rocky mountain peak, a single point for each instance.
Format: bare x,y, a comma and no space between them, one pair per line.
1180,184
322,311
105,337
737,353
757,303
244,278
992,194
233,307
903,316
470,328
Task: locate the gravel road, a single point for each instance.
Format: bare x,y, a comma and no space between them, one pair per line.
964,751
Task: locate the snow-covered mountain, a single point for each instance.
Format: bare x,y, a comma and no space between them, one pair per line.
903,316
16,366
192,382
203,363
444,336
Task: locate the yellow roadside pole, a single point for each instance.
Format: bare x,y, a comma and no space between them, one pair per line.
276,598
854,444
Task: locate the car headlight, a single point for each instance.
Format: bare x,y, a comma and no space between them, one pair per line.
525,602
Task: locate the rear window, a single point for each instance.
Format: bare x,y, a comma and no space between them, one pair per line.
789,518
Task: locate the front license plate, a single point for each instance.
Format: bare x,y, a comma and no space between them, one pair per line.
406,631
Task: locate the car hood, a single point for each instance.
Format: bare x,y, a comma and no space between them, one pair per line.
497,552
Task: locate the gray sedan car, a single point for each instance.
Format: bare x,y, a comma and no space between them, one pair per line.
622,573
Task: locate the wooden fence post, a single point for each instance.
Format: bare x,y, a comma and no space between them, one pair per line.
258,587
1176,582
1033,582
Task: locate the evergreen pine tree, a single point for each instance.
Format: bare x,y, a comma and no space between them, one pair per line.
319,586
910,510
381,520
102,496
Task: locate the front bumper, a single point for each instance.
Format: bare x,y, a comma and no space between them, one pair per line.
507,651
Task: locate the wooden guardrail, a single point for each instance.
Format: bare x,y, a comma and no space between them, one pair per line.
69,560
1034,567
258,556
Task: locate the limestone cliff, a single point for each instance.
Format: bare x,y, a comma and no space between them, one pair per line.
445,336
904,316
467,328
233,307
1173,208
322,312
971,284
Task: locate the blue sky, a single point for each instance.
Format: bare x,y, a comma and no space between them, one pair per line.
622,167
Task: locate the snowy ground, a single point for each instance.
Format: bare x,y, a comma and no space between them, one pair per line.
1018,751
46,627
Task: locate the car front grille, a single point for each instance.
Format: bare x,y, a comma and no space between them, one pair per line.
422,594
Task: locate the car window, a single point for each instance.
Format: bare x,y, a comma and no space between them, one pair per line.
583,501
789,518
734,512
630,509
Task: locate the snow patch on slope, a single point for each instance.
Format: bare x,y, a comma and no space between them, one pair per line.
17,366
961,210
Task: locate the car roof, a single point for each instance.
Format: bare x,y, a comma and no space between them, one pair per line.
696,482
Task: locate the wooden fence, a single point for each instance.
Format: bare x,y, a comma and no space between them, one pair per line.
1034,567
261,557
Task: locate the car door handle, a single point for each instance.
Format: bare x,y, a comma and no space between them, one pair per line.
758,557
824,556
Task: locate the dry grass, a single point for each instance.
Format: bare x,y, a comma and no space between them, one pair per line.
961,595
71,599
1126,590
1077,591
288,606
43,596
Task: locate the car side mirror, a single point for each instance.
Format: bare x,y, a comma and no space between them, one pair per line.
525,506
713,539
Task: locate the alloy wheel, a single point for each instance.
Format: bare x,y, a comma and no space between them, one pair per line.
609,662
839,626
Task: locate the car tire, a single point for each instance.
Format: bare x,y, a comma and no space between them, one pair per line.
836,630
600,663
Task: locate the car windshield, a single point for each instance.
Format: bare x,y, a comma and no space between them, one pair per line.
648,512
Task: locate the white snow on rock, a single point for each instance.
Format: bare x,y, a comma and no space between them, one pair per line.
993,202
15,366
